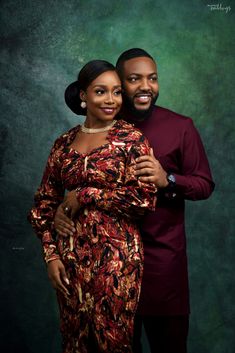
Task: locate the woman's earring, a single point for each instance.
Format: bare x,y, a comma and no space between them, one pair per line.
83,104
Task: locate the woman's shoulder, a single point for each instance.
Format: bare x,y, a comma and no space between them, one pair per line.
66,137
127,131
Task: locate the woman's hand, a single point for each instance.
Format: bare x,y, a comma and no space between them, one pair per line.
57,275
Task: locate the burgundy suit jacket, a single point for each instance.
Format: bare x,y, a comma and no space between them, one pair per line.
178,147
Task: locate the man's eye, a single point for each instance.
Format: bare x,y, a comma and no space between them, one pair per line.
132,79
154,78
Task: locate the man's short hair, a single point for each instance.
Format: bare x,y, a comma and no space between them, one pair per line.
130,54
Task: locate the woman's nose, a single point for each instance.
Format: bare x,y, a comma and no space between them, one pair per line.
109,99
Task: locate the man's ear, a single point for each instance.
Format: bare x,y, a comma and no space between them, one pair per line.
82,95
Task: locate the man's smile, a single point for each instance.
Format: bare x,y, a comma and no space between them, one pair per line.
143,98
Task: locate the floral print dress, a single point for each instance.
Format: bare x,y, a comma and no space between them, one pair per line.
104,258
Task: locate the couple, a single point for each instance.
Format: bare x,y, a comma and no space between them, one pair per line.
95,256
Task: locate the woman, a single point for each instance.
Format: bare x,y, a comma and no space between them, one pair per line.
97,271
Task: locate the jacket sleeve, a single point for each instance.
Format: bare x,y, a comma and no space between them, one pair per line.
46,200
195,180
131,199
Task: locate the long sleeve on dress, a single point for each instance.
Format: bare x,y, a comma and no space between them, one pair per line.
47,198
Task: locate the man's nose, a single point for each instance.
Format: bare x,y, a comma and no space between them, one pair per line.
144,84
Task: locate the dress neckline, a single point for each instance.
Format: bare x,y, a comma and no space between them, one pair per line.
95,149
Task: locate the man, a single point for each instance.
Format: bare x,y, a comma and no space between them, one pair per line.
179,168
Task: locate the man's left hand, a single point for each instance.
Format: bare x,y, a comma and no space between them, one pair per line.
149,170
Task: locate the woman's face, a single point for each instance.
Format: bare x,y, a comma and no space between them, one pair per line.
103,97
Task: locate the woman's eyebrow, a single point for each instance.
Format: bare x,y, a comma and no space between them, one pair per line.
104,86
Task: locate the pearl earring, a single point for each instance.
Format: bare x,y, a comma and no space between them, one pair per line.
83,104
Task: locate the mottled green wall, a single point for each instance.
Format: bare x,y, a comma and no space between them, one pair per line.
43,45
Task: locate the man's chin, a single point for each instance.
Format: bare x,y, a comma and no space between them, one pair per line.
137,111
141,113
142,107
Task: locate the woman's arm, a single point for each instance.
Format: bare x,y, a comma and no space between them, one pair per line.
47,198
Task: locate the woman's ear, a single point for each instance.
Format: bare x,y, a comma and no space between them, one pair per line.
82,96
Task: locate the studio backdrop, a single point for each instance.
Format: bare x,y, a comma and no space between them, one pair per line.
43,46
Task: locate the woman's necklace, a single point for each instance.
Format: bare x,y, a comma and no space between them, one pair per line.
95,131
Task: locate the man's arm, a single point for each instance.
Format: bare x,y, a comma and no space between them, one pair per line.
194,181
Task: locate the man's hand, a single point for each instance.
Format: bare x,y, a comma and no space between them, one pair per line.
57,275
70,204
149,170
64,226
63,223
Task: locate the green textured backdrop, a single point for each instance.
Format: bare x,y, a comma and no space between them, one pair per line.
43,46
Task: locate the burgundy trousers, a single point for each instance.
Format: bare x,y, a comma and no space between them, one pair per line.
166,334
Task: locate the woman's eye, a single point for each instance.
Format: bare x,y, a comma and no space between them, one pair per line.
99,92
117,93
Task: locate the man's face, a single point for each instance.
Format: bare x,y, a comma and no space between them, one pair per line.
140,84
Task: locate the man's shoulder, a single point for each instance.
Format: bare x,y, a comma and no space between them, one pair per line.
170,114
168,118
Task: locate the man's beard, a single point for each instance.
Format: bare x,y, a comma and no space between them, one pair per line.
131,112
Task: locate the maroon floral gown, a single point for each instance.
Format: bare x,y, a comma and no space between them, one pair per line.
104,259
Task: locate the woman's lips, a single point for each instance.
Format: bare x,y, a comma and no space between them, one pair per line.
108,111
